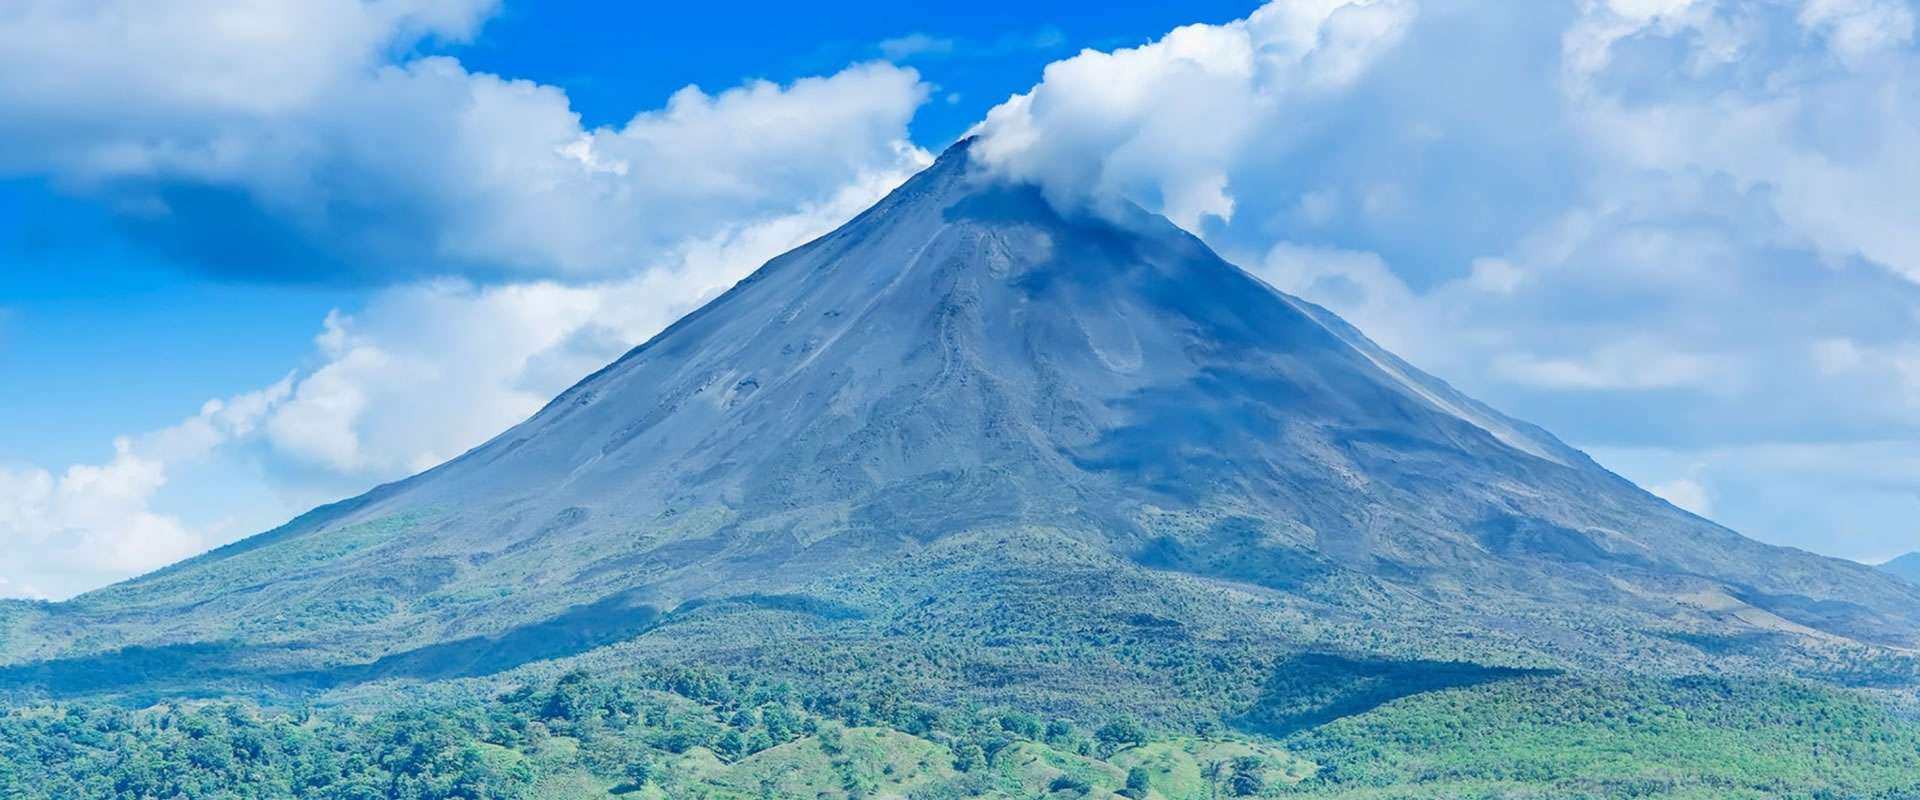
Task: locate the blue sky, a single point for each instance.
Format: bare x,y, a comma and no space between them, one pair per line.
351,238
83,300
613,61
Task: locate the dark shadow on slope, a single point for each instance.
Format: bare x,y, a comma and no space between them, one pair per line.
222,667
1311,690
1729,645
1236,548
142,674
200,669
1512,535
793,603
614,618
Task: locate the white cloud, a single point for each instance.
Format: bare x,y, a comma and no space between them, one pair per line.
77,72
1686,493
1360,285
1830,149
1638,364
1856,30
1891,370
901,48
93,522
1837,356
1673,223
1588,44
1495,275
402,361
21,591
1168,122
422,373
379,404
1364,289
186,116
914,46
1851,499
521,250
1681,176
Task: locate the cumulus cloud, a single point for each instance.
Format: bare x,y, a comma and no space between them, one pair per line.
192,68
420,374
1359,283
93,522
1682,224
383,402
1168,122
518,250
1853,498
1859,29
1589,43
1622,365
1890,370
283,143
1687,493
1823,134
1677,232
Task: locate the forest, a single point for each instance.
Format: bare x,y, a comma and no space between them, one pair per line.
685,733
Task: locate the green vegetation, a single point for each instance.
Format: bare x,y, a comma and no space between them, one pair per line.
693,734
999,670
1606,738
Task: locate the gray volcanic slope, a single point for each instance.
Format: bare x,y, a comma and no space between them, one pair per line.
965,374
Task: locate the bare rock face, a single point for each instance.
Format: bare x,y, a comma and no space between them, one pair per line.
965,367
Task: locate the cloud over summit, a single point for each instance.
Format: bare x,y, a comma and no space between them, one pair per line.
1168,122
1630,220
1677,232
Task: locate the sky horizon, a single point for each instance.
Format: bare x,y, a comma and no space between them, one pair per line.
335,243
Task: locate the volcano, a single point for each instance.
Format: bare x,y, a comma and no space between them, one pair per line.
969,419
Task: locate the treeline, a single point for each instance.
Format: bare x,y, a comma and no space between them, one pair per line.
624,729
1599,737
689,733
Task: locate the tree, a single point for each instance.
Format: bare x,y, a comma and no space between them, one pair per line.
779,723
537,736
1137,783
1247,779
682,737
968,757
731,745
830,741
1022,725
569,699
1214,768
638,772
1119,733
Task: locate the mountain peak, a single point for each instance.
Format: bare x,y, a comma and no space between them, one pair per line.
965,365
